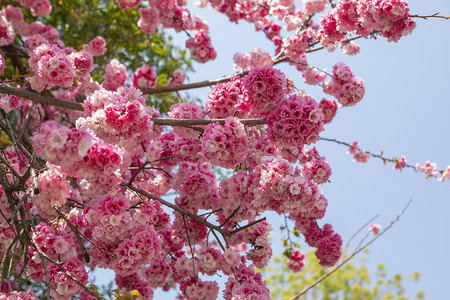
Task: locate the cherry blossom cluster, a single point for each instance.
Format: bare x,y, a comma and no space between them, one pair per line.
127,4
81,154
61,145
9,102
53,191
314,6
39,8
144,77
246,284
96,46
359,155
296,261
177,78
201,47
195,182
316,169
6,30
121,118
297,120
327,242
228,99
15,295
134,282
329,110
225,145
149,19
399,163
115,75
428,168
51,67
255,59
185,110
390,18
347,88
128,235
266,88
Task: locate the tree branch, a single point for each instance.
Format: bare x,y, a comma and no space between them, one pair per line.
335,268
35,97
188,86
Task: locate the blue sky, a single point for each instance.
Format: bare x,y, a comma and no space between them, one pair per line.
405,111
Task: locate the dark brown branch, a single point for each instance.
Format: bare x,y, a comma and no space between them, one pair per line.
188,86
35,97
178,209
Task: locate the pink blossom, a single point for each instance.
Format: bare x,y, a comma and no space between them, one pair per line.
266,88
194,288
353,148
126,4
61,145
294,47
51,67
329,250
185,110
350,48
244,283
317,169
255,59
9,102
445,174
84,63
296,261
134,282
62,287
16,295
195,182
296,121
42,8
225,145
149,19
6,30
361,156
329,109
399,163
144,77
53,191
374,228
313,76
201,47
157,273
178,78
96,46
2,64
314,6
428,168
227,99
115,75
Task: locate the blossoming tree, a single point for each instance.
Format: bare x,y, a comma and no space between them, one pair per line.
92,150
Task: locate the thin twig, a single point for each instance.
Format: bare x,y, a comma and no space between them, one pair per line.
335,268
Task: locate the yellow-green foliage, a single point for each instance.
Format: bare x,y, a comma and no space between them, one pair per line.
351,282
